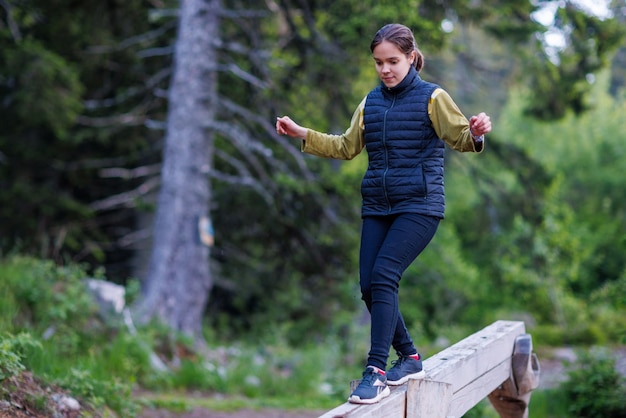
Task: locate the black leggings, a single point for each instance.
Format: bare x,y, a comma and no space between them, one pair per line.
389,244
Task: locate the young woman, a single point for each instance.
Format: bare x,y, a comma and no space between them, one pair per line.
403,124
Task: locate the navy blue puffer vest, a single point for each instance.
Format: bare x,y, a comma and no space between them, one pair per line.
405,171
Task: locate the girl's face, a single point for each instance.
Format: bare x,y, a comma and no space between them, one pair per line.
392,65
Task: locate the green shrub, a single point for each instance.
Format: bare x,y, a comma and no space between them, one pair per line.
101,394
77,349
45,297
12,353
595,389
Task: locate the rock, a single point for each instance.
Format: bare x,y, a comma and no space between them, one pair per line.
66,403
109,296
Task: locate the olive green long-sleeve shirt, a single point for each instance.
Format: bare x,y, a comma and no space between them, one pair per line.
448,121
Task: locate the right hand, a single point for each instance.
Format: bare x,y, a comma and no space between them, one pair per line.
480,124
286,126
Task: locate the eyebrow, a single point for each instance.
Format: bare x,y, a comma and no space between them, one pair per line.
386,59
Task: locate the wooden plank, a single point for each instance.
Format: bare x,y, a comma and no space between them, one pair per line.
469,396
393,406
474,356
428,399
341,411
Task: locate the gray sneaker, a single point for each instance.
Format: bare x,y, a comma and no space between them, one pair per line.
403,369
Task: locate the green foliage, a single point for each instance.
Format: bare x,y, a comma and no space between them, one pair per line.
74,84
283,274
544,232
101,365
560,83
46,297
45,89
12,351
100,393
77,350
446,286
595,389
518,25
609,304
63,81
264,370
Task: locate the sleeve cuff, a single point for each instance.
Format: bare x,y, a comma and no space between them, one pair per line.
479,142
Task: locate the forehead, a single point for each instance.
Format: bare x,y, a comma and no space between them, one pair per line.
386,50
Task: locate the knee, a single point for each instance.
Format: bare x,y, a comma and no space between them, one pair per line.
384,280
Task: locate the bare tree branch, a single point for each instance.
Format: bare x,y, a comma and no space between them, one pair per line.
135,117
156,52
157,125
101,122
248,147
150,84
244,75
126,199
246,182
134,173
244,14
88,163
134,237
270,130
135,40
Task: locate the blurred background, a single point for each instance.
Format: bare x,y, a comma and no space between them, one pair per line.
138,154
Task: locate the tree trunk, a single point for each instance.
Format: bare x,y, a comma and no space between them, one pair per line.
177,286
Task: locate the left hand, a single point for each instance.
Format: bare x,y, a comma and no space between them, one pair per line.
480,124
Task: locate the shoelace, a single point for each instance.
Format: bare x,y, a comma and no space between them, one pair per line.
399,361
369,377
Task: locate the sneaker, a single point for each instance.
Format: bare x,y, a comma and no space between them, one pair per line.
373,387
403,369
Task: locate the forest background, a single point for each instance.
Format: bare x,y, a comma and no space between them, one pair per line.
138,147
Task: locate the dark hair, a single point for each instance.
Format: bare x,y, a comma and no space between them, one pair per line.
403,38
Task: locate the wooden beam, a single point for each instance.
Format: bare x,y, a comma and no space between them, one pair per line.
393,406
457,378
429,399
474,356
476,365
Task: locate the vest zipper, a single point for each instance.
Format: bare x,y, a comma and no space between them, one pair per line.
384,141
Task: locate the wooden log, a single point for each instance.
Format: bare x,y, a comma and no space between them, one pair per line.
511,399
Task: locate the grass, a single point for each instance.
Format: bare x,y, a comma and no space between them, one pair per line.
184,401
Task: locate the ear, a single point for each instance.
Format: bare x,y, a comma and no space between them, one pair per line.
412,57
